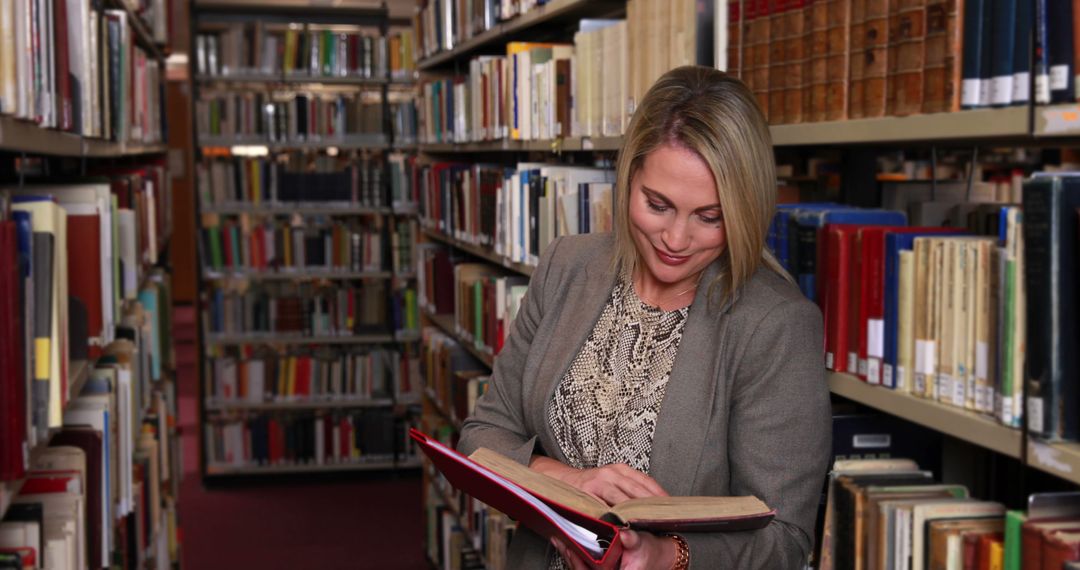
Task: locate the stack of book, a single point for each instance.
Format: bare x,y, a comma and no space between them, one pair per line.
304,51
343,181
76,67
86,352
253,117
514,212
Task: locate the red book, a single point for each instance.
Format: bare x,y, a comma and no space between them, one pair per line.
84,272
838,241
500,482
983,553
62,74
12,380
1060,547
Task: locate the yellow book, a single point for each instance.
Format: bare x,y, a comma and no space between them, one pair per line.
290,388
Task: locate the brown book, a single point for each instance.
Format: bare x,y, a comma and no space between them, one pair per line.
946,539
761,33
735,41
778,36
877,534
1060,547
875,45
907,24
682,514
794,60
819,54
562,97
858,37
838,56
1034,533
944,52
807,60
984,554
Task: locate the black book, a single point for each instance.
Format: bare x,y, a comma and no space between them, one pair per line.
971,67
1003,48
1059,22
1050,273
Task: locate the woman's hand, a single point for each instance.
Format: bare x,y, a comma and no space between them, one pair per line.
641,551
645,551
612,484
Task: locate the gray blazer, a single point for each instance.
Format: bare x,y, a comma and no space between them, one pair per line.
746,411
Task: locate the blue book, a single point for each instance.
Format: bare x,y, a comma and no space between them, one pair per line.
810,222
972,56
1002,48
149,300
1025,14
894,244
785,230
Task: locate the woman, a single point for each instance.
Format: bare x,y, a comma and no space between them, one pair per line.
674,356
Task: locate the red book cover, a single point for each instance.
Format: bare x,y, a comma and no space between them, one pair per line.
275,441
62,67
12,379
84,271
838,241
303,376
1060,547
985,548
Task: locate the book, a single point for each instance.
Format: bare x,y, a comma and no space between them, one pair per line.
554,509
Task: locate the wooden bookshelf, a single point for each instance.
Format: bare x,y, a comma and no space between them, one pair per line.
444,498
1005,123
1057,120
969,426
545,15
299,208
225,470
300,405
446,323
17,135
143,37
292,275
271,338
448,415
480,252
1058,459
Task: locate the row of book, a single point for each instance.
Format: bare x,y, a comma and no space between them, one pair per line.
462,532
252,117
306,309
345,180
402,46
455,378
75,66
442,24
402,246
284,439
964,310
247,243
518,211
326,375
891,514
292,50
76,257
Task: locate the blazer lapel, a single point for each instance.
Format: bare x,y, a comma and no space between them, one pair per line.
581,305
689,399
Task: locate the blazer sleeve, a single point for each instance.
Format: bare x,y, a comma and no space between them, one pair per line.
779,441
498,423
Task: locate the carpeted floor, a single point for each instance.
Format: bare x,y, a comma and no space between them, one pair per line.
353,521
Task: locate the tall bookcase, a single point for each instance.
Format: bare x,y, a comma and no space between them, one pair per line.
862,140
113,149
306,338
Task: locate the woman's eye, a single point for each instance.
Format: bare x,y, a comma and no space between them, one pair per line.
656,207
712,220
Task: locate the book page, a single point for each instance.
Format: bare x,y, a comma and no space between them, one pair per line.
539,484
688,508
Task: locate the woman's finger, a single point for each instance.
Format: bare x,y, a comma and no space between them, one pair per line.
649,483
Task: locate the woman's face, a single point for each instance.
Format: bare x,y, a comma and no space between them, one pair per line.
675,215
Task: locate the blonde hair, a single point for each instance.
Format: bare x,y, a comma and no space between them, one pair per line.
716,116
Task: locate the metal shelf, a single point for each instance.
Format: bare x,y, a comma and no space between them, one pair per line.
969,426
226,470
1009,122
297,79
301,208
1058,459
1057,120
25,136
556,146
300,405
270,338
502,32
446,323
374,142
480,252
293,275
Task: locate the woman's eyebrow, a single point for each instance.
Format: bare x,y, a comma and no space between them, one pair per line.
656,195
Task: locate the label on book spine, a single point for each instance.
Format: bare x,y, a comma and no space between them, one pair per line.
1035,416
900,381
1042,89
1021,87
969,93
943,388
1001,90
1006,410
853,363
984,92
1059,77
887,378
829,360
959,392
873,371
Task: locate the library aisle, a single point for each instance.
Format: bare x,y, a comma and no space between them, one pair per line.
362,522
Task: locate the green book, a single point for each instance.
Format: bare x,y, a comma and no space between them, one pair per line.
328,52
410,310
1014,522
214,235
238,261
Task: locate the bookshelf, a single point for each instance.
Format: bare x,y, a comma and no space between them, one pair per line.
478,251
26,137
446,323
358,142
1057,121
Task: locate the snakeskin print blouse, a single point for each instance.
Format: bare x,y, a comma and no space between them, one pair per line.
604,409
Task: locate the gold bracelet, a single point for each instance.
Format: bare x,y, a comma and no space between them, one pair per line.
682,553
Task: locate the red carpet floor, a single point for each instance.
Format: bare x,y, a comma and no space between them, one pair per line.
362,521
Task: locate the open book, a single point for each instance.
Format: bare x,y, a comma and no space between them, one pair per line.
552,508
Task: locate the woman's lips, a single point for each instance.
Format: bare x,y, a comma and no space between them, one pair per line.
669,259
